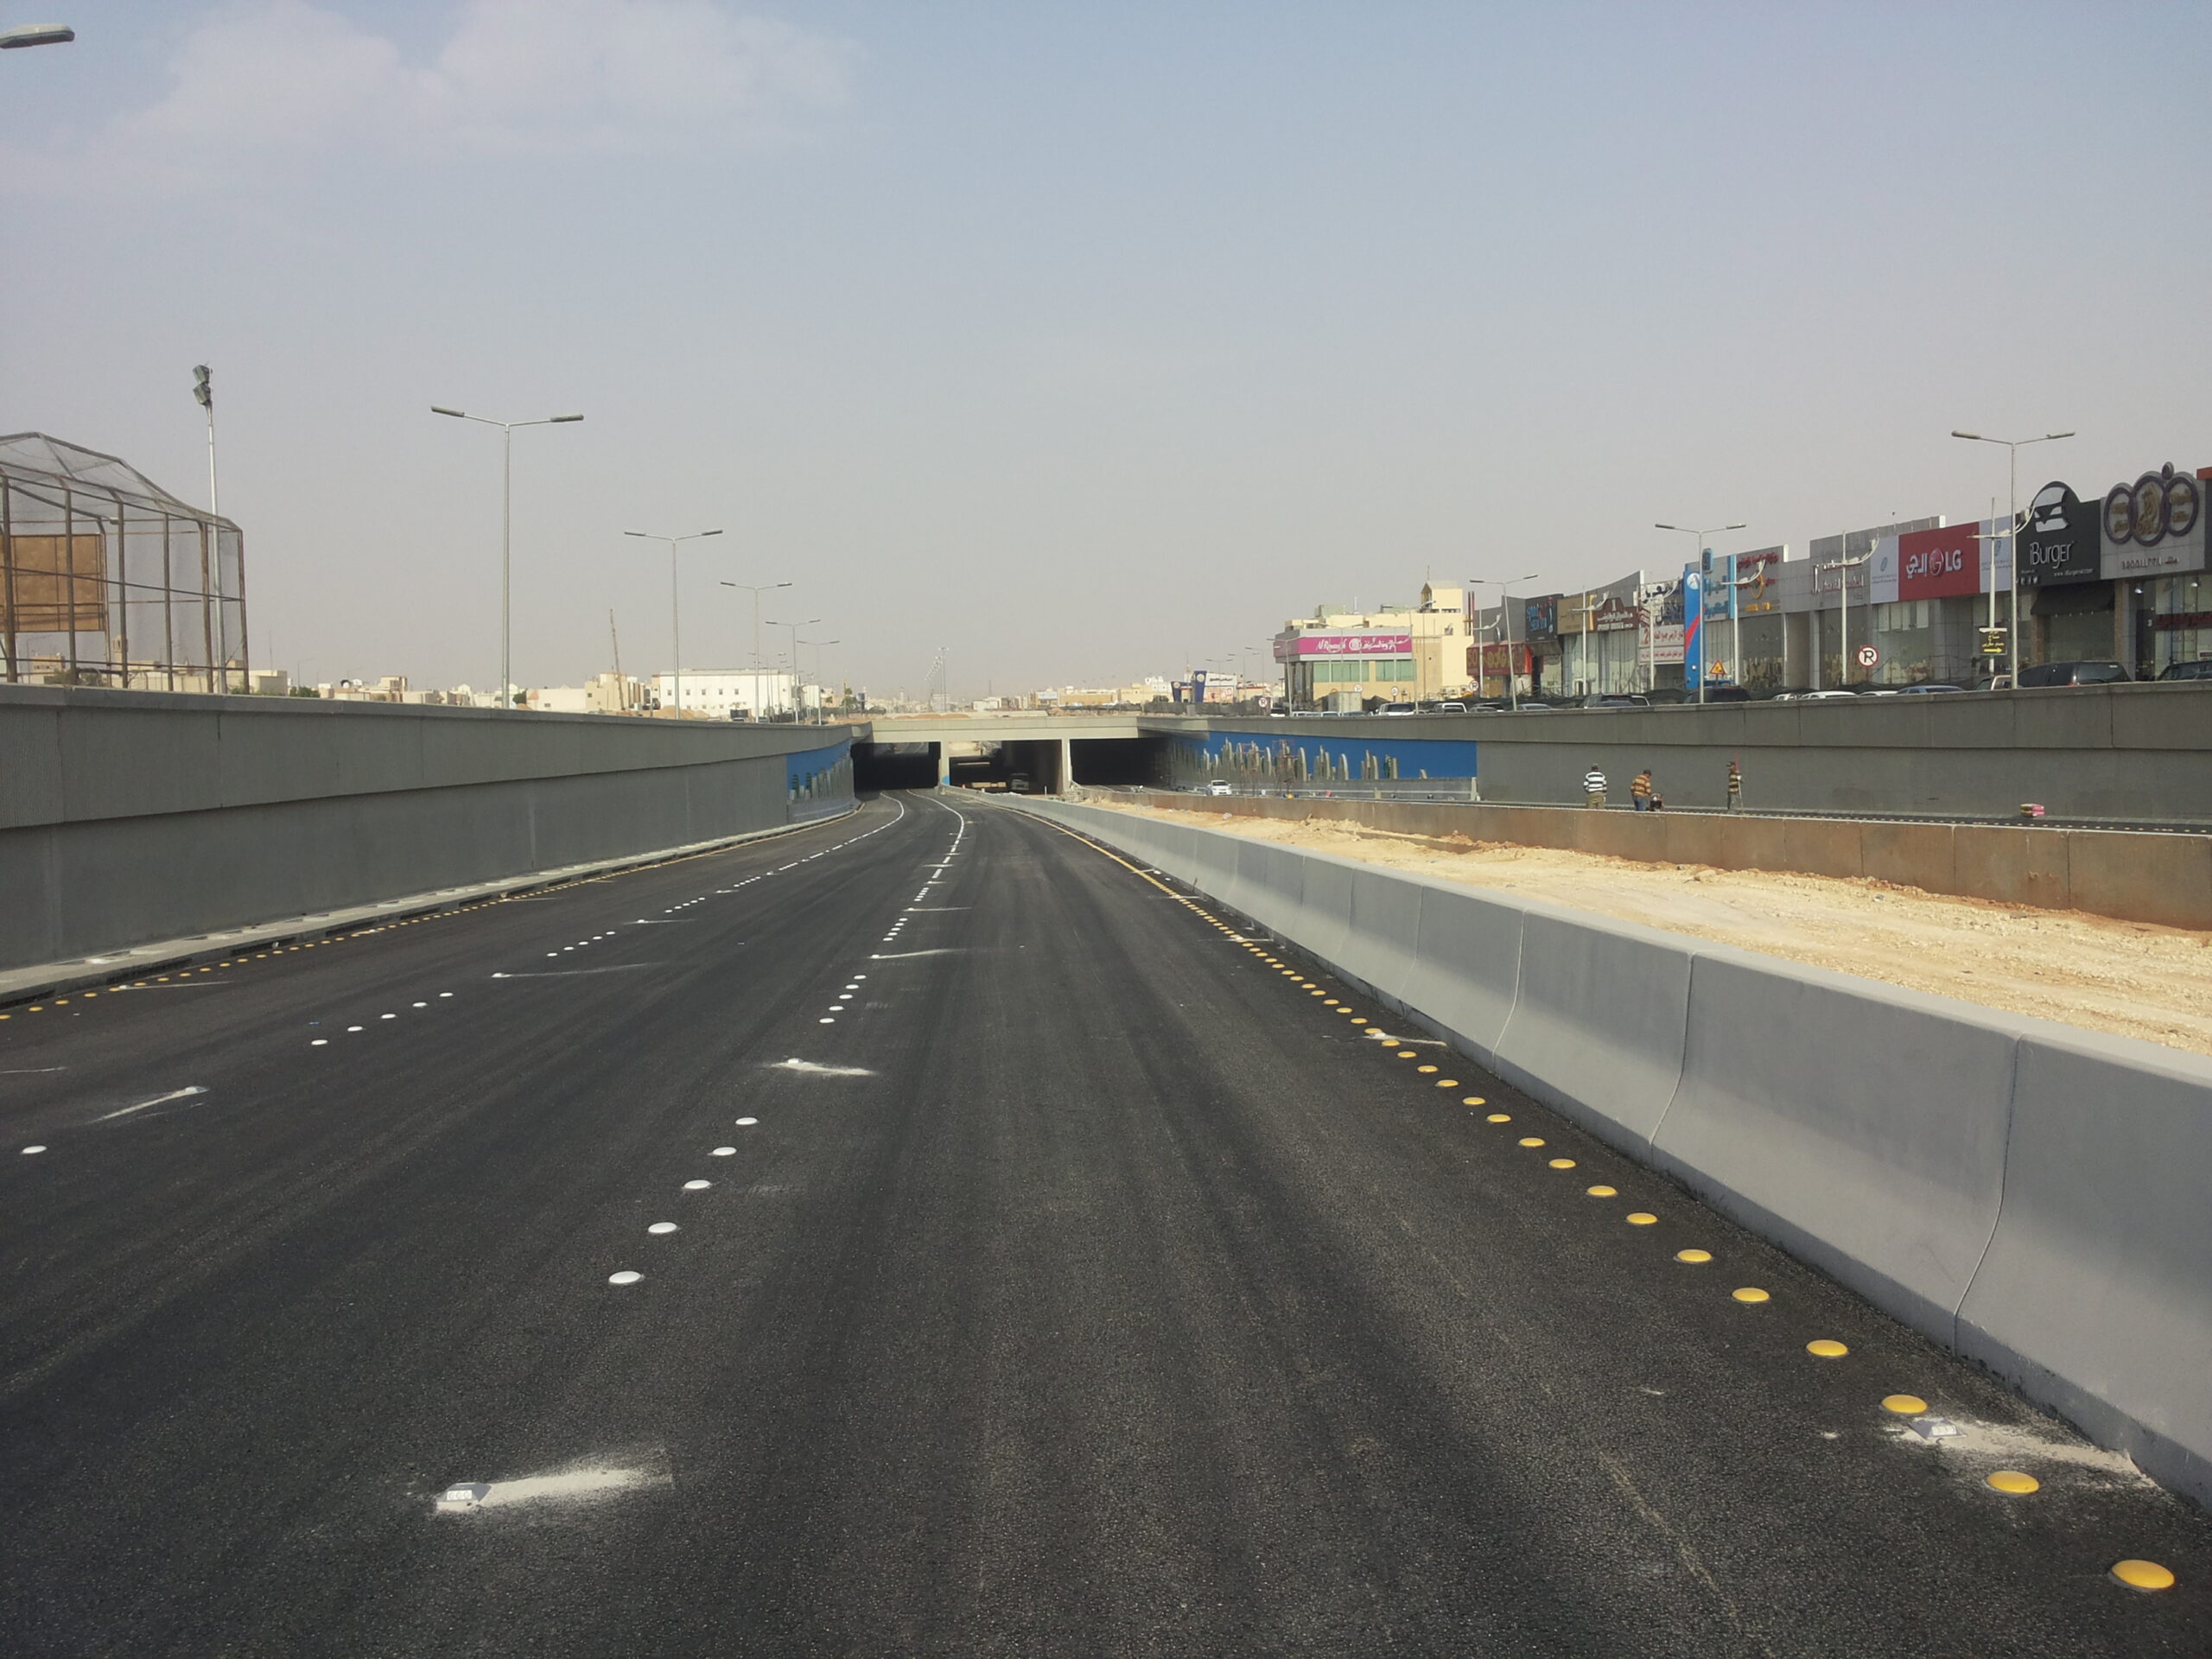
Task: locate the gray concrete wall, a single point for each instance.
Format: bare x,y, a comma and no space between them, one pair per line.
2160,876
2027,1193
129,817
2126,752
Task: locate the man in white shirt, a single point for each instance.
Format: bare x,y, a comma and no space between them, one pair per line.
1594,786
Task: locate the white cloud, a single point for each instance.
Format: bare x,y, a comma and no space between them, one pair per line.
279,82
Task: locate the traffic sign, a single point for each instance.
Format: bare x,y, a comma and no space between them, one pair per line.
1867,656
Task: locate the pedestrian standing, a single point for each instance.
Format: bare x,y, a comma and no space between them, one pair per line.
1594,786
1642,794
1735,784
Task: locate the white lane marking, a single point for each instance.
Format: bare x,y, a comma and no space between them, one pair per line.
594,1480
158,1099
747,1122
627,1277
32,1071
902,956
934,909
813,1069
647,921
319,1042
723,1152
445,993
422,1005
662,1227
697,1186
825,1020
578,973
387,1016
28,1151
357,1028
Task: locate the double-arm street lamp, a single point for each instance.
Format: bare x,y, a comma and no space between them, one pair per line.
822,674
2012,445
756,591
675,608
1735,669
795,627
1505,586
506,523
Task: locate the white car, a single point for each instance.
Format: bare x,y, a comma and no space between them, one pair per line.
1217,787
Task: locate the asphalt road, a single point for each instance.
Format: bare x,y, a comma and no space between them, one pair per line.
1050,1273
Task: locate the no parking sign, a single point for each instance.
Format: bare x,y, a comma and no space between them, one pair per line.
1867,656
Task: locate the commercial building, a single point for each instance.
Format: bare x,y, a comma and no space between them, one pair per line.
1394,653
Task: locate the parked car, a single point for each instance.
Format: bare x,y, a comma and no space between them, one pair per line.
1925,689
1218,787
1616,700
1451,707
2081,673
1399,709
2199,670
1821,696
1726,694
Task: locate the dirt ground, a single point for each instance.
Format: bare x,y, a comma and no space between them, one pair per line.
2126,978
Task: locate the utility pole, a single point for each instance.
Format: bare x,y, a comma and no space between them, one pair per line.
203,392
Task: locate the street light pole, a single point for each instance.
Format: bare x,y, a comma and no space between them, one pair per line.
1504,587
2012,445
1700,535
795,627
506,521
674,610
756,591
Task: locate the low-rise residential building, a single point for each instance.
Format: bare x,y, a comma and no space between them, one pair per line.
1397,653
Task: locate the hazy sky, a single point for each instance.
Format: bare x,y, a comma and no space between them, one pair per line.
1081,340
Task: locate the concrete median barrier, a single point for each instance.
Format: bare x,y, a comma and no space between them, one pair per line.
1469,952
1599,1015
2095,1293
1861,1126
2027,1193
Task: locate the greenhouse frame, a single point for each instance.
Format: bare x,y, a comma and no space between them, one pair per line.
107,579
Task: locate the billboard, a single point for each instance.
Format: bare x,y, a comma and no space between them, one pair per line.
1693,625
2059,540
1342,642
2153,526
1540,617
1752,575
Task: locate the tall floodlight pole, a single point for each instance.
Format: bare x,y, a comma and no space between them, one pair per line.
203,393
675,606
506,527
1685,529
2013,446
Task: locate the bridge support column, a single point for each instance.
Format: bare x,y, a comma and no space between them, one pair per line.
943,765
1065,783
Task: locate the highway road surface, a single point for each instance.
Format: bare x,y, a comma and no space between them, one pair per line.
925,1233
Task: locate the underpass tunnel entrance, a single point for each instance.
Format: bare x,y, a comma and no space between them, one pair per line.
1110,760
893,765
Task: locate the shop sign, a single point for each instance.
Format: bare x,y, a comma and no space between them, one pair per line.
2059,540
1615,613
1343,643
1939,564
2154,525
1666,644
1540,617
1755,575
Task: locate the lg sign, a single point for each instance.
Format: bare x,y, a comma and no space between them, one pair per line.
1937,564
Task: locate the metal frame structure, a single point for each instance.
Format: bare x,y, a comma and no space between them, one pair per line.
107,579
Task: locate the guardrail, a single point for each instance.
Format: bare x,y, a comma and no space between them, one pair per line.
2029,1194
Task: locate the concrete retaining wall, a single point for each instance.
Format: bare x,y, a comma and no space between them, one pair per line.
2025,1192
2140,877
129,817
2133,753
